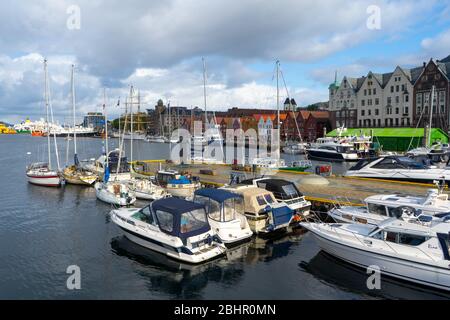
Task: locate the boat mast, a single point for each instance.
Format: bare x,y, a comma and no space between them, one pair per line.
278,107
47,112
106,127
75,156
131,121
431,116
204,91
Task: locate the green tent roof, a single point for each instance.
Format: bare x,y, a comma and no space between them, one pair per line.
389,132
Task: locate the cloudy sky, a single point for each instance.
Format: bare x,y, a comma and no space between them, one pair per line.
158,46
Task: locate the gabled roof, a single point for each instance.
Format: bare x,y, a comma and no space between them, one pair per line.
320,114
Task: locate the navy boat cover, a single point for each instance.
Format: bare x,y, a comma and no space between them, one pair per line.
218,195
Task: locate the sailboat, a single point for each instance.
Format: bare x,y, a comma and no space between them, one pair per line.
432,153
113,192
41,173
75,174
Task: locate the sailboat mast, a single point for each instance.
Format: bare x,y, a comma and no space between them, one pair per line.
431,115
74,120
204,91
47,111
278,107
106,127
131,122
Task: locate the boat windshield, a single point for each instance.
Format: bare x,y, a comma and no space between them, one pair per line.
193,220
291,191
231,206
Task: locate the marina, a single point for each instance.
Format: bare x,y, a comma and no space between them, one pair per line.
73,227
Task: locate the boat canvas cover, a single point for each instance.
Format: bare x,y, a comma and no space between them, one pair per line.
181,180
280,187
177,207
281,215
218,195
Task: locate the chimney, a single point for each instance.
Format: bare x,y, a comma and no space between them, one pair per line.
424,64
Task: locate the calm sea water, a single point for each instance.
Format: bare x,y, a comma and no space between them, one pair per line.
43,231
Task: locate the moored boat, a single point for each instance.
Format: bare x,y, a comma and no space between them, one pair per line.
174,227
41,174
225,214
407,251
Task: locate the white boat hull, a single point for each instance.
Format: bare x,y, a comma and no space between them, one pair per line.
45,181
111,198
389,265
231,232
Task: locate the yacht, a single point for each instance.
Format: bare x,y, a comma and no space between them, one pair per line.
297,148
117,173
41,174
379,208
176,184
115,193
174,227
145,189
226,216
435,154
397,168
408,251
284,191
264,214
332,151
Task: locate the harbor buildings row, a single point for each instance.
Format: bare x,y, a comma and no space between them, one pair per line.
309,125
401,98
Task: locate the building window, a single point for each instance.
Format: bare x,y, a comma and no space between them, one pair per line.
397,88
369,102
376,112
363,113
419,99
392,88
365,92
370,92
374,91
363,103
406,110
389,101
396,121
379,122
360,123
403,87
397,110
406,98
370,112
397,99
377,101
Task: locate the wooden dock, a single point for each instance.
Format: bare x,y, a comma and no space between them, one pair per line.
340,190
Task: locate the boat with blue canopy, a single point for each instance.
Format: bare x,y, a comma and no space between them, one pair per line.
172,226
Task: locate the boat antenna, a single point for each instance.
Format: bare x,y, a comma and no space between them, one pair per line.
278,107
204,91
75,156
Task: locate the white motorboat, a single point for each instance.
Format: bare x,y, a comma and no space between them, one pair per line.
379,208
225,214
177,185
146,190
408,251
156,139
264,214
332,151
268,163
397,168
41,174
115,193
174,227
284,192
297,148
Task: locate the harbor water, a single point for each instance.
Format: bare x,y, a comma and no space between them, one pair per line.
43,231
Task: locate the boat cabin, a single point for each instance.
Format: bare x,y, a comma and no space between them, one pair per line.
176,217
221,205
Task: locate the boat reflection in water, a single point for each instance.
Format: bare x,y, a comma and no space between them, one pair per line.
347,277
186,281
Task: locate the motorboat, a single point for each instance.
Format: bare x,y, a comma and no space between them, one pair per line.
338,152
268,163
145,189
226,216
41,174
397,168
297,148
174,227
408,251
284,191
176,184
432,155
297,166
264,214
156,139
379,208
115,193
